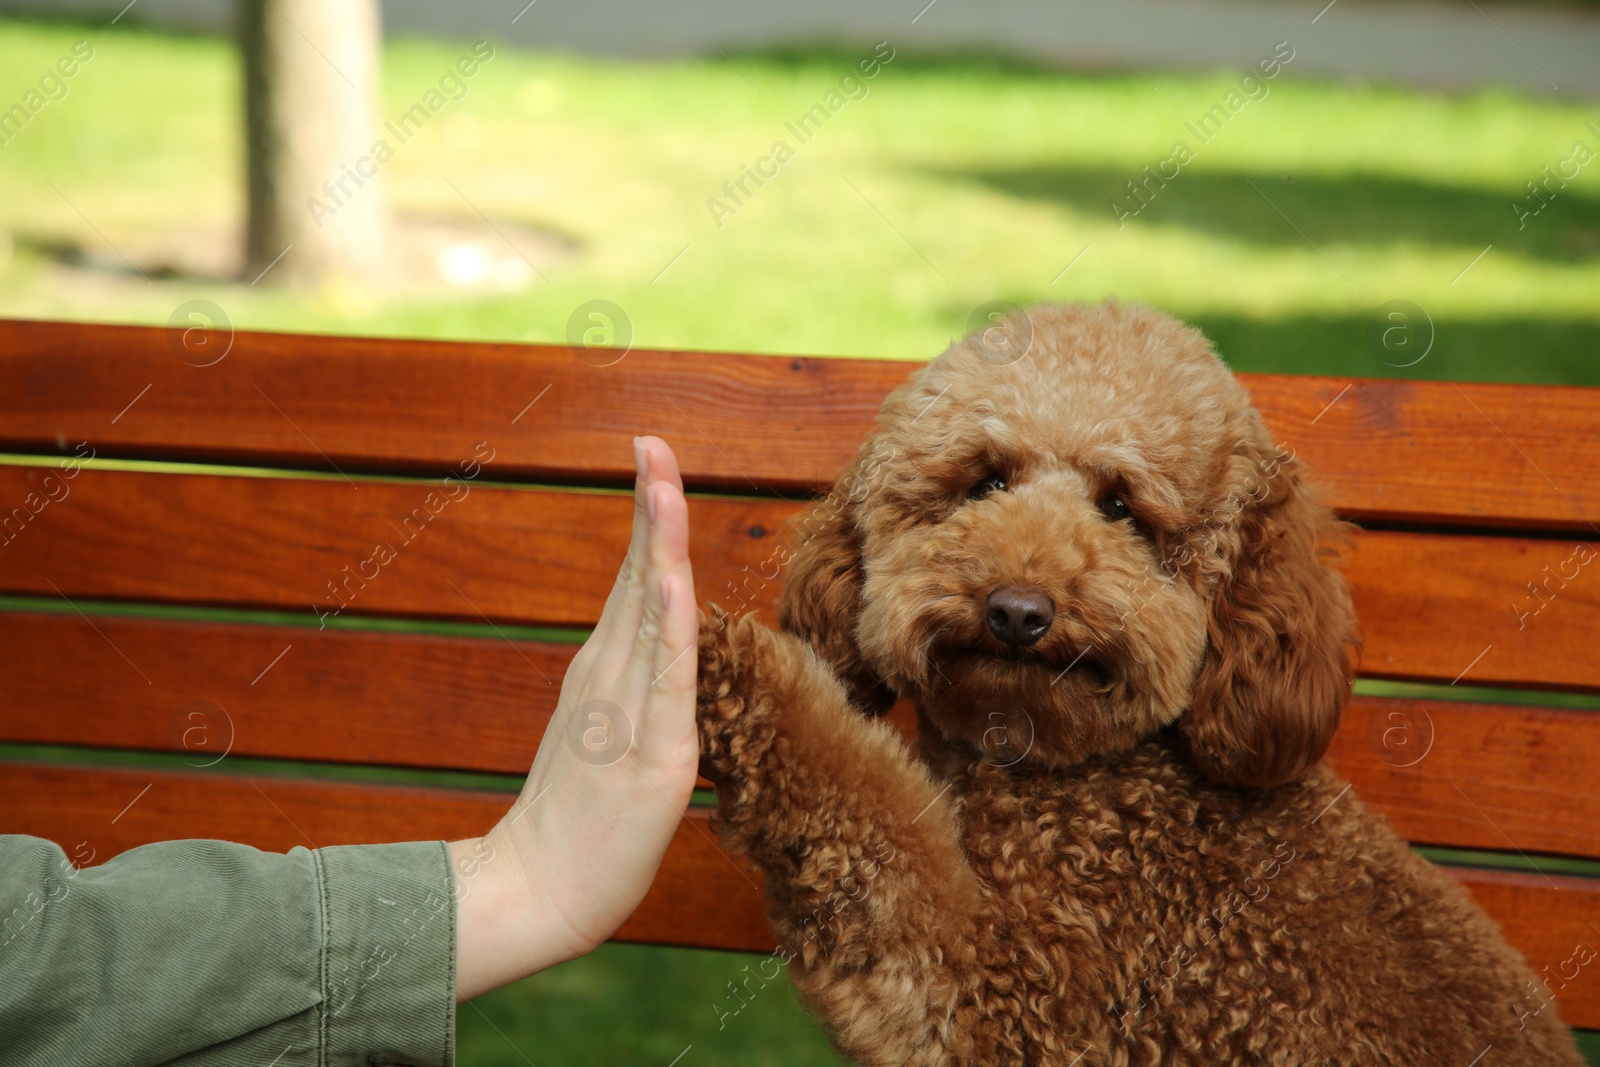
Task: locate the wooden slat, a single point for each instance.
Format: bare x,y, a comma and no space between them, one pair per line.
1470,454
1459,609
1450,774
1546,919
1394,451
1480,776
385,404
1433,606
281,692
701,896
529,556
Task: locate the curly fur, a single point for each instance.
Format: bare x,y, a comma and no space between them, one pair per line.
1116,845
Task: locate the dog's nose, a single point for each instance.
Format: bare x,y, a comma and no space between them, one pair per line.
1019,616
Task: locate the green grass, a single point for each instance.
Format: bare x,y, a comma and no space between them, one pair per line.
955,181
632,1004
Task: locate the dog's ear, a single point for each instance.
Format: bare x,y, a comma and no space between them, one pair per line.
821,600
1281,631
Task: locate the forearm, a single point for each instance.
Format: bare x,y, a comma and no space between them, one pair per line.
209,952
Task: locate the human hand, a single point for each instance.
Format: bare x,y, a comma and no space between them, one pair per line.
578,850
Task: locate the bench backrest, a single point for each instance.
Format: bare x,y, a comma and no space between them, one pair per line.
312,525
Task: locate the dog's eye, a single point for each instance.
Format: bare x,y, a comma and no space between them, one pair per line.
1115,509
993,483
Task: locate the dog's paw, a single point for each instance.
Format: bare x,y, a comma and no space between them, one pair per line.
730,646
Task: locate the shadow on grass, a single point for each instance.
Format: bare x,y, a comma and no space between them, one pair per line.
1278,209
1528,350
1532,350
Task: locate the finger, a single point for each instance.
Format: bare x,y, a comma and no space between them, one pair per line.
668,557
631,573
653,459
617,633
667,737
663,461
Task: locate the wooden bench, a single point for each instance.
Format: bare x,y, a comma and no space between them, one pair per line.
156,606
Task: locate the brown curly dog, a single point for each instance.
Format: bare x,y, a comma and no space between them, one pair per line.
1111,599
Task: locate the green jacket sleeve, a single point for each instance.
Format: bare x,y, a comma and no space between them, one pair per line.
208,952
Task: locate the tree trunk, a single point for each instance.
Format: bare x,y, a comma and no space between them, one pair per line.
311,81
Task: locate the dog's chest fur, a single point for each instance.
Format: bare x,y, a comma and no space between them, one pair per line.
1128,883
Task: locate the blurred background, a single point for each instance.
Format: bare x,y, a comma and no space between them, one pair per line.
1409,189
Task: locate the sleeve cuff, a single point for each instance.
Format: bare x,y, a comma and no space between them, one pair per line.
388,967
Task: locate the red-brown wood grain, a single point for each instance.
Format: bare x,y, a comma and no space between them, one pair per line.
702,896
1476,610
541,557
1481,776
385,404
280,692
1469,454
1439,607
1546,918
1397,451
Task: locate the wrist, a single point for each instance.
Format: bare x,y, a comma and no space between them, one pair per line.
499,928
